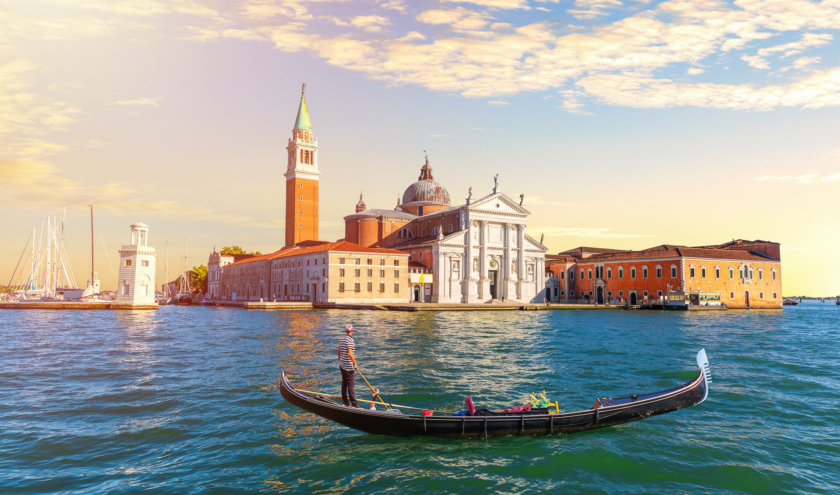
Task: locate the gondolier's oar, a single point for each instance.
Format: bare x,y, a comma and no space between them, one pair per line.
312,392
373,390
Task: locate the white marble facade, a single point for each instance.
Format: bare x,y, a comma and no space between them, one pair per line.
492,258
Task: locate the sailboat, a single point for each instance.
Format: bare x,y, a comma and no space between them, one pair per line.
184,296
166,298
92,291
50,276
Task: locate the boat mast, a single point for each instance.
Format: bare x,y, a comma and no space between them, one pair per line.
92,282
166,291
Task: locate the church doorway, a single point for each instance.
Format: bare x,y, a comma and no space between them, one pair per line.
314,292
494,284
416,293
599,295
633,299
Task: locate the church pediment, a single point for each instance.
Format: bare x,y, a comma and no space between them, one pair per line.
498,203
532,244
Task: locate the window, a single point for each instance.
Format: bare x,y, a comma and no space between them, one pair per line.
632,272
702,272
358,287
396,273
659,293
370,272
582,274
760,274
571,293
590,274
751,273
774,295
621,293
370,287
621,272
731,273
396,262
307,262
382,261
731,295
717,272
609,272
146,263
381,287
396,288
370,261
358,272
323,287
562,293
382,273
644,271
341,272
691,271
658,271
341,261
609,294
645,294
358,261
127,262
341,287
673,271
571,274
761,295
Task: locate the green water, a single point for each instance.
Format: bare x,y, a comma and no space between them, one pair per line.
183,400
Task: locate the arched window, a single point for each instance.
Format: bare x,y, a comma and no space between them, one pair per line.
632,272
644,271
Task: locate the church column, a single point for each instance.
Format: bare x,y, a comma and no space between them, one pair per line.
483,284
506,265
466,267
520,260
437,275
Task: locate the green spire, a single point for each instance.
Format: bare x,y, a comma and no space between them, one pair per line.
302,122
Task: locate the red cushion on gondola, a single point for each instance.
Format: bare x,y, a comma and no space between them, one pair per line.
470,407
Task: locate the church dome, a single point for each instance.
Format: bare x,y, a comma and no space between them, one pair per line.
425,190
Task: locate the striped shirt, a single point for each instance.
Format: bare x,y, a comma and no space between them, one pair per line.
344,361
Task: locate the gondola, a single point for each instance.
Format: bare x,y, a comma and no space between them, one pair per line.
606,412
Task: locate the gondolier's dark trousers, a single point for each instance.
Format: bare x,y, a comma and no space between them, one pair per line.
348,387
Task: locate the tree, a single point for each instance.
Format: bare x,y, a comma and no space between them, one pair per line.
198,278
232,250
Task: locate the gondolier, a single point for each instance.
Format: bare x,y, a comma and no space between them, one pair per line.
347,366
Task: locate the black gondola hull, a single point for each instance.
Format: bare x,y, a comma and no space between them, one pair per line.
619,411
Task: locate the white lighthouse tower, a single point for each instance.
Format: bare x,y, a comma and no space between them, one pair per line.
136,285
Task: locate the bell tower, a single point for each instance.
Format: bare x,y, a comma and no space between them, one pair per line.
302,179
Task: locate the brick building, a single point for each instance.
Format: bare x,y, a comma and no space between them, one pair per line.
738,274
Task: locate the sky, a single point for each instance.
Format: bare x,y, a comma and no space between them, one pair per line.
626,123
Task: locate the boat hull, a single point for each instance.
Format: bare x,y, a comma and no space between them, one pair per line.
619,411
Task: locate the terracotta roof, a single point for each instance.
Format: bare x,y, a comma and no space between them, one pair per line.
378,212
670,251
592,250
309,247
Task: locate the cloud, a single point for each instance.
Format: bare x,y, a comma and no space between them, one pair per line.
590,9
810,178
37,184
370,23
498,103
820,89
591,232
809,40
139,102
495,4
